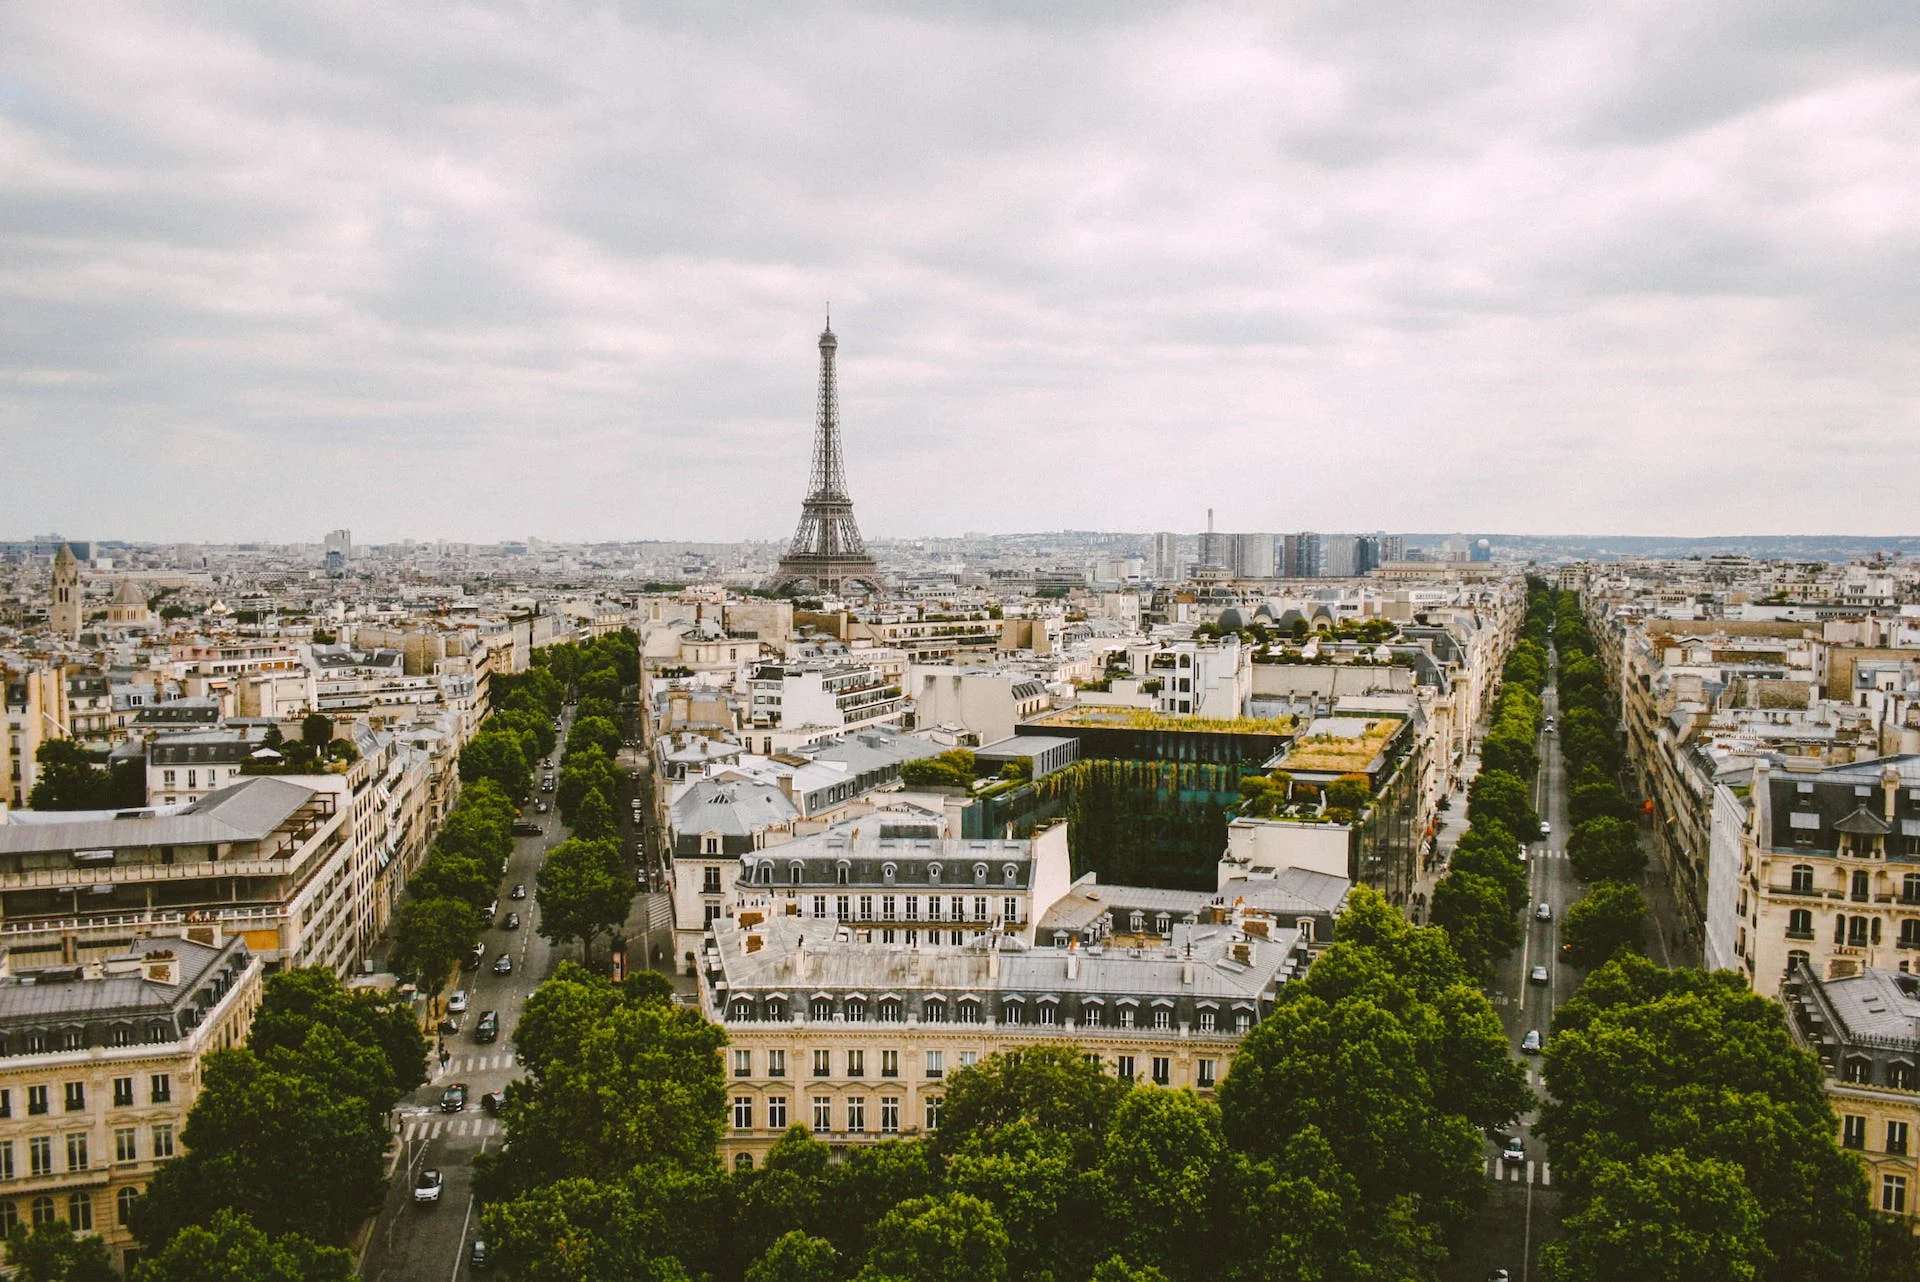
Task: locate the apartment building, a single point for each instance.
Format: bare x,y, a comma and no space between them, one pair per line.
185,766
828,694
266,859
99,1066
855,1039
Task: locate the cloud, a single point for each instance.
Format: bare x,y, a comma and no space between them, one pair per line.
482,270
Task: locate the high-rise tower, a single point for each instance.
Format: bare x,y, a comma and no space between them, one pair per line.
827,549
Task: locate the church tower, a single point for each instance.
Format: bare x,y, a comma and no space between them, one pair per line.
64,617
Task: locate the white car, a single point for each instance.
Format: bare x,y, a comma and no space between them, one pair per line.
1544,912
1515,1152
1546,829
457,1004
426,1189
1538,975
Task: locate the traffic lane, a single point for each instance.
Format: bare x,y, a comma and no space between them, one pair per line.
431,1241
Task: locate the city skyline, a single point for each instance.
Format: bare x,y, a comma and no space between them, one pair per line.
459,273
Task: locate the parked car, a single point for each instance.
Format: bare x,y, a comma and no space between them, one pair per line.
1544,912
454,1098
476,956
477,1258
512,922
519,890
1530,1044
1538,975
426,1189
488,1029
527,830
457,1004
1515,1152
503,964
540,807
449,1026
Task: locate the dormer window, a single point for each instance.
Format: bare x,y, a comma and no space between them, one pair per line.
1011,874
796,872
933,874
887,872
979,874
842,873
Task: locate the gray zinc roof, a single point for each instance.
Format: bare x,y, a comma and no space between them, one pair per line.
248,811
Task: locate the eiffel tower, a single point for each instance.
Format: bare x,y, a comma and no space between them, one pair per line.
827,550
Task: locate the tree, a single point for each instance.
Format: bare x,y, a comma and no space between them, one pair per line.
1158,1173
1477,913
316,731
1050,1207
497,755
955,1238
1349,792
230,1249
1606,850
581,773
581,892
593,820
430,936
1054,1088
66,779
795,1257
1600,799
1662,1216
53,1253
594,732
582,1230
448,876
1610,917
297,1001
1501,796
293,1154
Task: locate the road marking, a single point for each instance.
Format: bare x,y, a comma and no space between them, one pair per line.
1546,1176
1529,1170
460,1249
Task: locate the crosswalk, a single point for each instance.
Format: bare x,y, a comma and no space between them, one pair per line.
433,1129
460,1065
1512,1172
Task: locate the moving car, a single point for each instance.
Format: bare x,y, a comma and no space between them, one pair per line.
488,1029
449,1026
426,1189
1515,1152
492,1101
540,807
1530,1044
527,830
476,956
1544,912
454,1098
457,1004
1538,975
1546,829
519,890
503,964
512,922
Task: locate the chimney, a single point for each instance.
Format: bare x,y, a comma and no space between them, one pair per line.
1763,804
1243,952
1073,958
993,955
1186,965
163,967
1889,788
753,943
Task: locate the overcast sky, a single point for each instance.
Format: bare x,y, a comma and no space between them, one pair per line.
487,271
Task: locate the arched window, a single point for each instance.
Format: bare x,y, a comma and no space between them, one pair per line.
42,1210
842,872
1840,929
1800,923
1857,931
120,1035
979,874
820,1009
935,1010
1012,1012
766,879
1803,879
933,874
1798,957
1162,924
1010,874
856,1011
796,873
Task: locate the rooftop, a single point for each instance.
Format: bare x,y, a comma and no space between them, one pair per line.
1109,718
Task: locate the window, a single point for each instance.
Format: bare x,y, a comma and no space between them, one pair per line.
856,1114
712,913
856,1011
979,907
1207,1068
866,908
890,1010
840,874
1893,1194
743,1063
776,1063
795,873
1162,1017
1900,1075
933,874
126,1147
43,1212
709,881
1206,1021
6,1159
1162,1070
1012,1013
886,873
889,1114
820,1009
1802,879
1009,875
1853,1131
936,1011
1861,888
1800,924
776,1007
856,1063
1092,1016
163,1141
77,1151
822,1114
1010,910
822,1064
1242,1021
889,1063
1910,888
887,906
123,1205
123,1092
1123,1067
160,1088
933,1113
743,1112
969,1012
841,910
40,1155
36,1099
969,1058
80,1212
913,908
743,1161
1857,931
1858,1070
936,1065
1896,1137
777,1112
1047,1011
1126,1017
9,1216
741,1011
